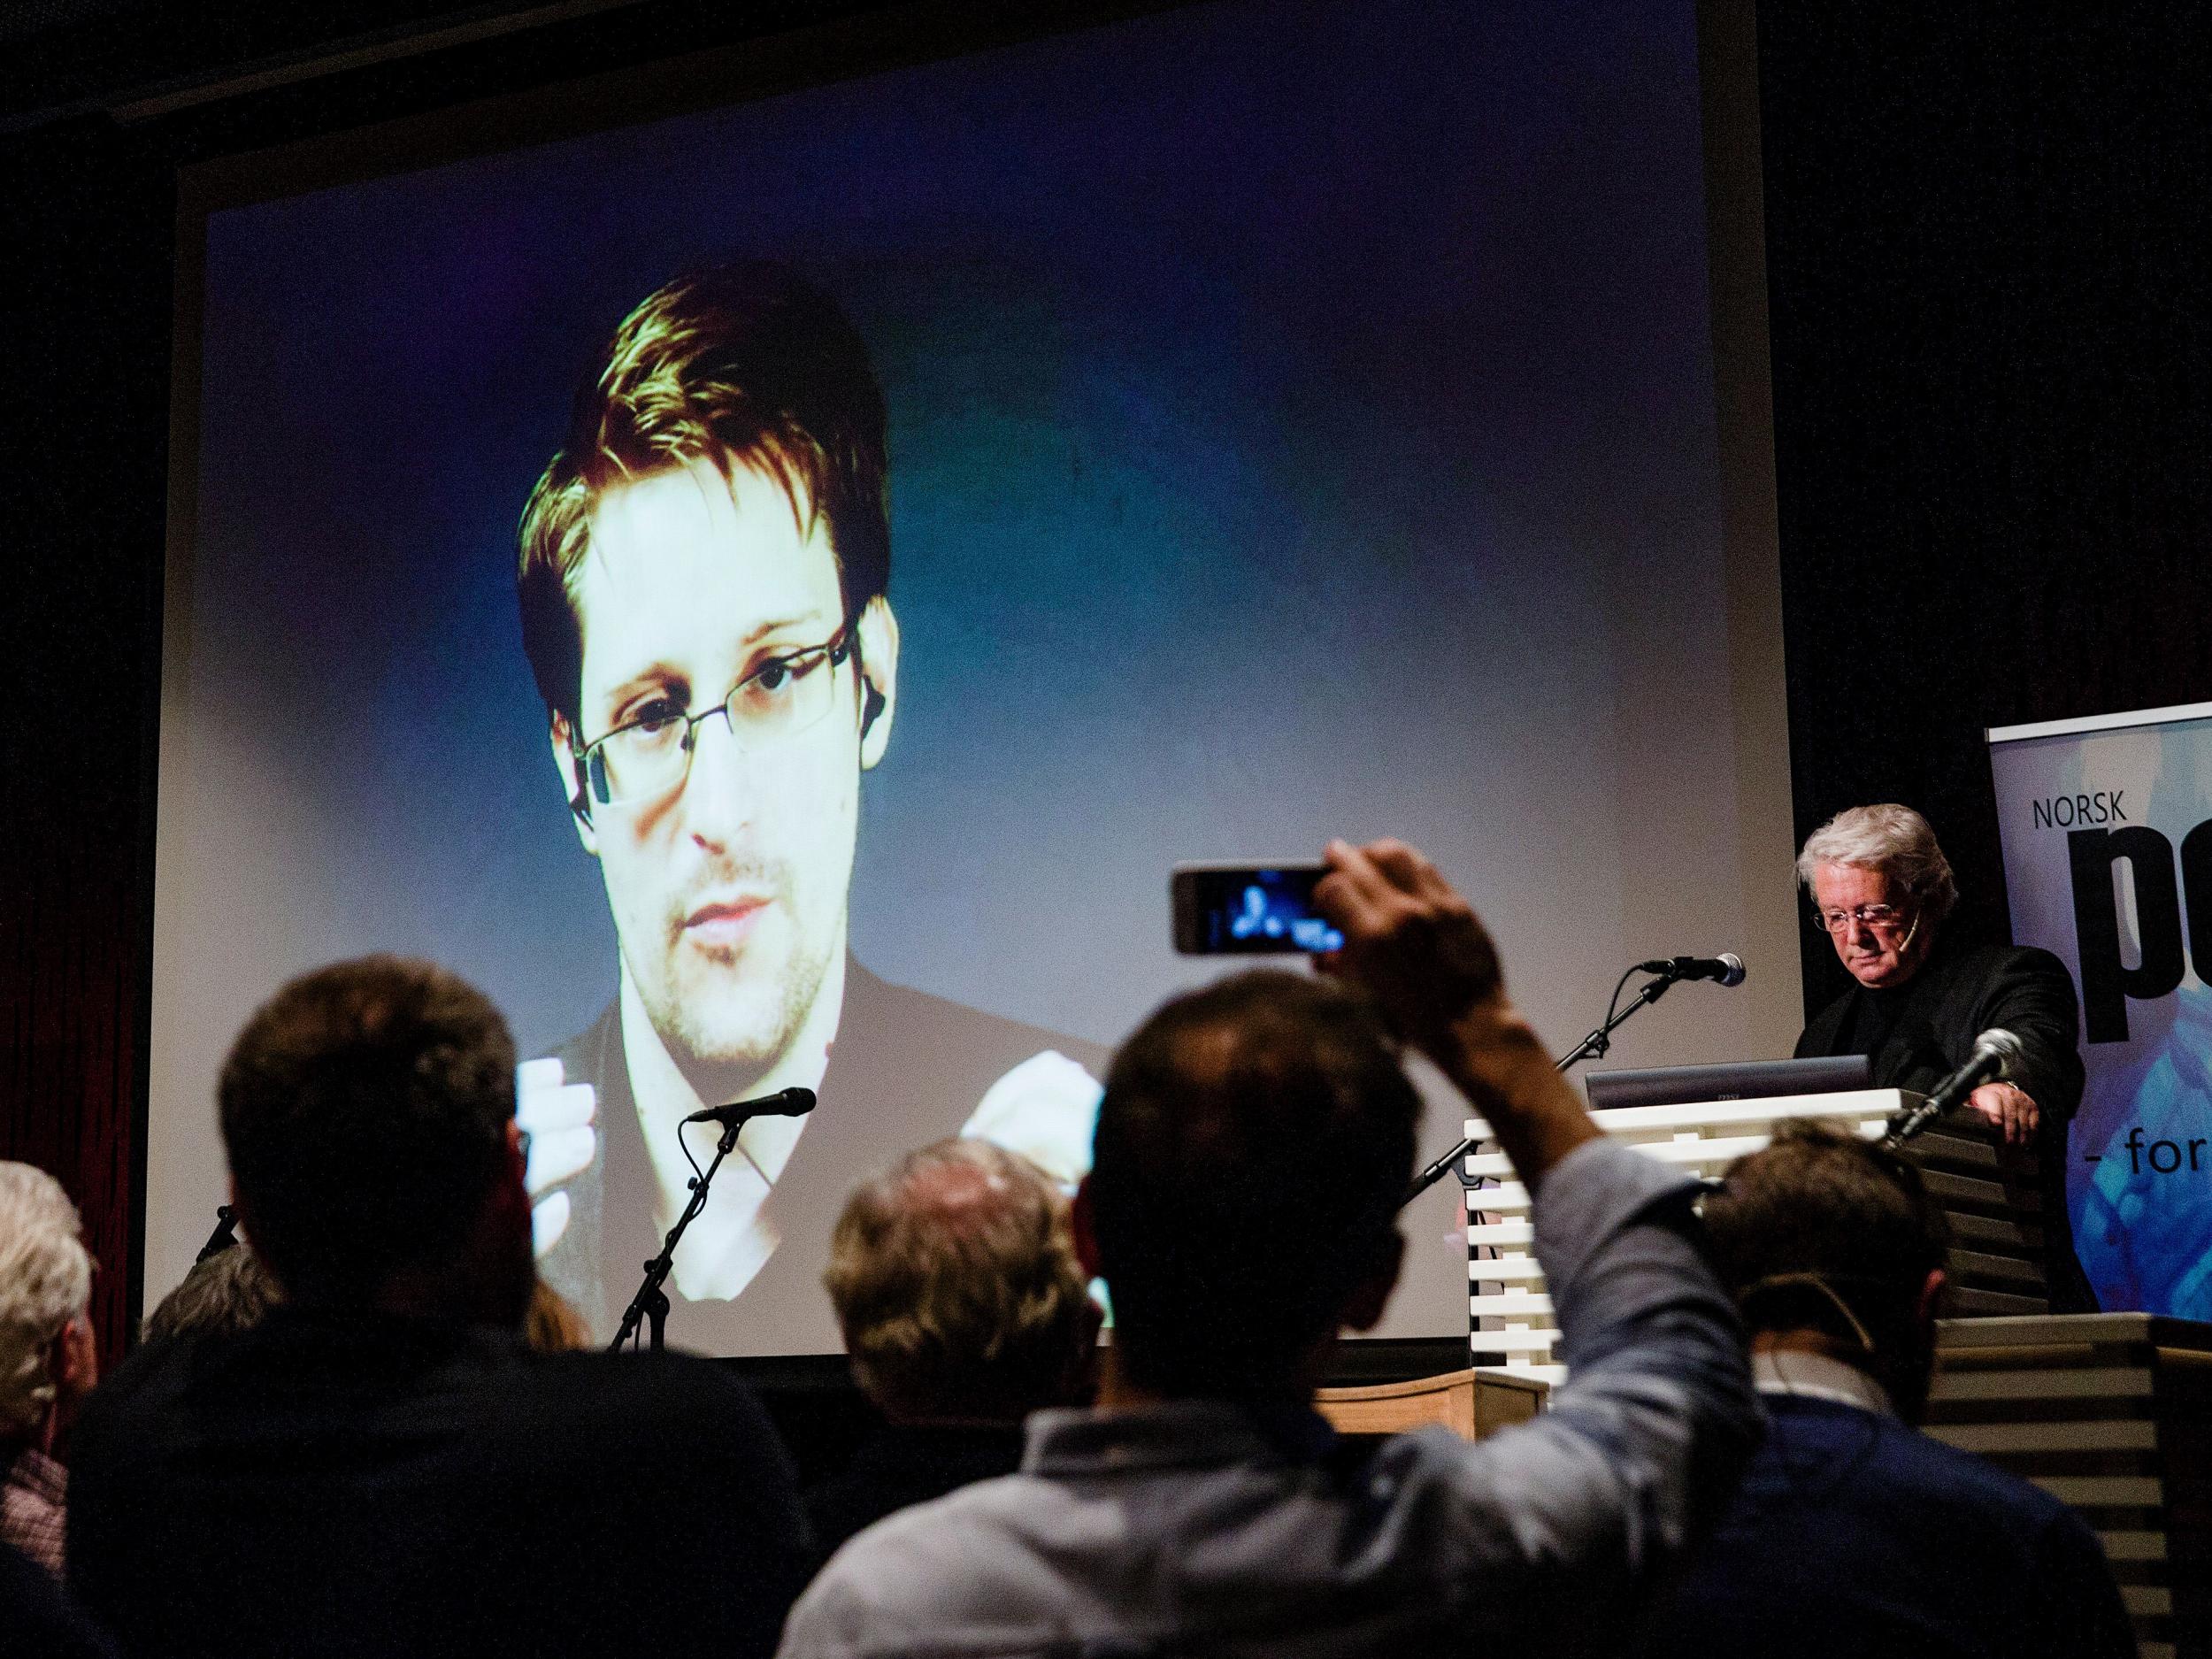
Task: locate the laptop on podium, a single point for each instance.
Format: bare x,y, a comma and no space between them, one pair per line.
1743,1079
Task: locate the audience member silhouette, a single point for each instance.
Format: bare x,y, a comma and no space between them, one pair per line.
1853,1532
227,1292
963,1308
381,1466
1255,1139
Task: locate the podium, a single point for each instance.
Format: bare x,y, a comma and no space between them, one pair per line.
2111,1413
1473,1405
1989,1192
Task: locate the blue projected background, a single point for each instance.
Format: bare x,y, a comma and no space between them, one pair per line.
1301,425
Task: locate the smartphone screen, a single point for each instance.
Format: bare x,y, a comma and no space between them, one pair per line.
1233,909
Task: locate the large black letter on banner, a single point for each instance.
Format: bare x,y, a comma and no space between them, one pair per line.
2196,891
2106,984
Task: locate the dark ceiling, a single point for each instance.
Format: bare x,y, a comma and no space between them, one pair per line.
65,56
139,60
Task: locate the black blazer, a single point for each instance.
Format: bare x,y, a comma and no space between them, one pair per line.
1934,1018
358,1483
1956,997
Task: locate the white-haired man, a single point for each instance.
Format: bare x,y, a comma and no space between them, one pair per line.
47,1362
1883,891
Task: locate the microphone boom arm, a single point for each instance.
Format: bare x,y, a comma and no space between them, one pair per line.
1591,1047
1994,1051
651,1302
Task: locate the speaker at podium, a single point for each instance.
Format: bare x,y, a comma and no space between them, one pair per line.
2106,1411
1701,1120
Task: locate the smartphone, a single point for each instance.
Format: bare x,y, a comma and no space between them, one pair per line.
1235,910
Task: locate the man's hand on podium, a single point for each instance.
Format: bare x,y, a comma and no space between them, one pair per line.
2007,1108
1418,947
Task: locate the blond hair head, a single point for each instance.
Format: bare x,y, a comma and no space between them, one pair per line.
1893,839
45,1283
957,1287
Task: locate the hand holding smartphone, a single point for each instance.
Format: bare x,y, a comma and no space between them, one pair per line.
1249,909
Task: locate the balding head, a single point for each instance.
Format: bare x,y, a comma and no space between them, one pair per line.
957,1287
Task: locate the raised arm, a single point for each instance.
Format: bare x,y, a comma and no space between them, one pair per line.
1419,947
1645,1440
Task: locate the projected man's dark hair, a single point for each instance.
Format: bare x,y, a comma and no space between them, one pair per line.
737,365
1253,1144
365,1110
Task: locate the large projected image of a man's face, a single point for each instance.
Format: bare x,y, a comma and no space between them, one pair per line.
702,576
720,668
703,583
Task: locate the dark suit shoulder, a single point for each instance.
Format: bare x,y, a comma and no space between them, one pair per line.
416,1486
901,1466
1949,1486
1818,1039
1992,964
149,1370
954,1028
676,1404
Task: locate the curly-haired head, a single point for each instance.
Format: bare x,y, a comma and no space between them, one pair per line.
957,1286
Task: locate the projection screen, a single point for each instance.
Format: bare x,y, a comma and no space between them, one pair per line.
1189,437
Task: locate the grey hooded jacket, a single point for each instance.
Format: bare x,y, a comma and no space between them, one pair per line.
1201,1527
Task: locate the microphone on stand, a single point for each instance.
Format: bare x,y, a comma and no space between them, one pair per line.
1994,1051
225,1235
651,1304
1725,969
789,1102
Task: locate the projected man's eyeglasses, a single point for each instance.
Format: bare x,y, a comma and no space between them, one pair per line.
649,754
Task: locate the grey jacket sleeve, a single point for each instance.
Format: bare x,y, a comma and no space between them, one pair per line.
1547,1533
1645,1442
2033,998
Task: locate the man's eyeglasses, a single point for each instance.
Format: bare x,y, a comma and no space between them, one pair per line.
1880,919
649,754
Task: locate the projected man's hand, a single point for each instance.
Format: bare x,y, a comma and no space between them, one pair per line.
1047,1109
558,1118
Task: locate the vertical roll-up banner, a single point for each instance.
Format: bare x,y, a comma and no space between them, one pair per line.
2107,838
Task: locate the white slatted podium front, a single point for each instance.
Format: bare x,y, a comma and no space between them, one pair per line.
1988,1191
1510,1322
2111,1413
